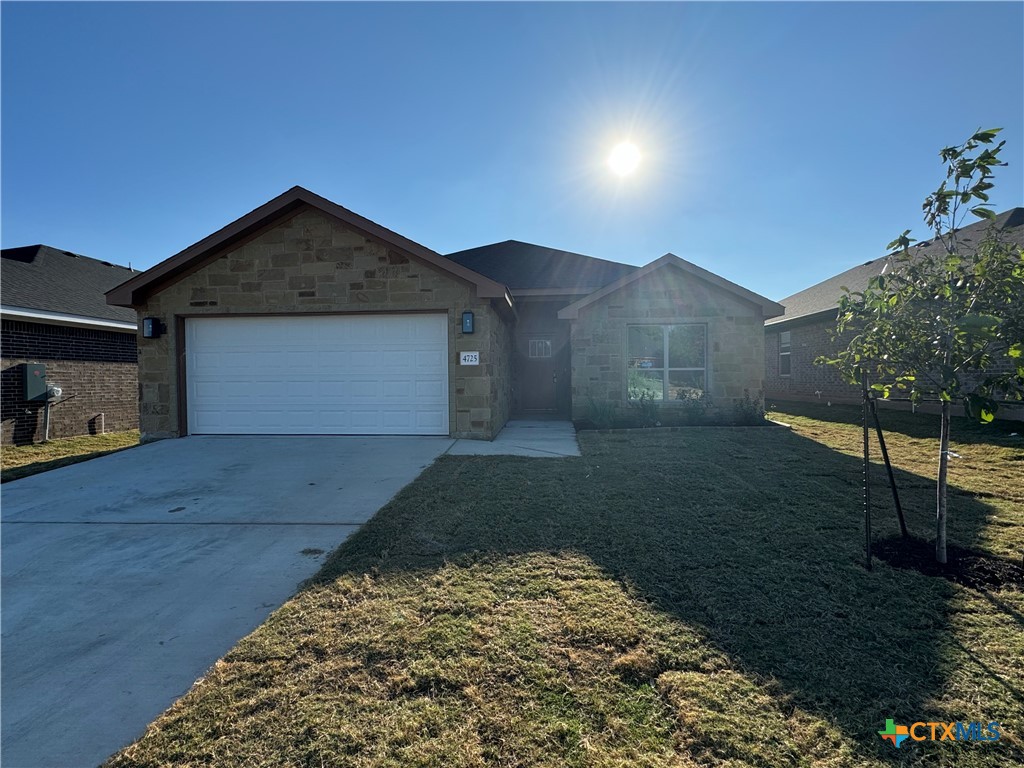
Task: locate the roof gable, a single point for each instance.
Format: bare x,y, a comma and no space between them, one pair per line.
824,296
527,268
768,308
50,280
269,214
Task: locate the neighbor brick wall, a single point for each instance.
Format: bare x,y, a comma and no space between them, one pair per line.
97,370
810,339
669,296
312,263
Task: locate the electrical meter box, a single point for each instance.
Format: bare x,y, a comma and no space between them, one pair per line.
34,376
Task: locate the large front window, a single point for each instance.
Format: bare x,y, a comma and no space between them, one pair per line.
667,362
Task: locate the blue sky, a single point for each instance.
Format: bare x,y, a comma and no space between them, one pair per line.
782,143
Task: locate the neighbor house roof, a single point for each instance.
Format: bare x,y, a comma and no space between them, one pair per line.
135,290
768,307
535,269
824,297
48,285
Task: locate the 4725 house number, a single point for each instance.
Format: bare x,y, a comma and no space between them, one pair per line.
469,358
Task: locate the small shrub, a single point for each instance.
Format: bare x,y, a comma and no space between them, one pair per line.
695,407
645,410
749,411
601,413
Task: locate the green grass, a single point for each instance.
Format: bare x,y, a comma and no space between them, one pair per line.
24,460
690,598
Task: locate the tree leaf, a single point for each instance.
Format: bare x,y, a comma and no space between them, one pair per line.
986,136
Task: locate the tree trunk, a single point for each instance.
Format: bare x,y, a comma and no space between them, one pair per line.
940,486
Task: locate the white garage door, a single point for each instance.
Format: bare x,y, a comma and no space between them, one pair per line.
317,375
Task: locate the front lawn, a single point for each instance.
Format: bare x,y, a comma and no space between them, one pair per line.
690,598
24,460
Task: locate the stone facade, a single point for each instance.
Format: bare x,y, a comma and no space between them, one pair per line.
735,337
312,263
97,370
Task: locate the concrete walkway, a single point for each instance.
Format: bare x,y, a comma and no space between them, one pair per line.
126,577
524,437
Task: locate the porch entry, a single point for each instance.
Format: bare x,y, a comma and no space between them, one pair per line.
542,361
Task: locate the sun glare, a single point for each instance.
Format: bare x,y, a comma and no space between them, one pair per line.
624,158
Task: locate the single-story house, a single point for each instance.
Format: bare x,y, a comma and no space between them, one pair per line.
794,340
54,315
303,317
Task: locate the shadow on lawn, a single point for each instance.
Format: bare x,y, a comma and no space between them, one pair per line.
753,535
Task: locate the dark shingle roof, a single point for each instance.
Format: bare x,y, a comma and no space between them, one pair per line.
826,294
41,277
523,266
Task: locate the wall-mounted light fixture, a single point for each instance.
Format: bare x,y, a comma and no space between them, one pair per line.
467,322
152,328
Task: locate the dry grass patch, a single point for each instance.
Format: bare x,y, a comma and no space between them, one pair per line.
24,460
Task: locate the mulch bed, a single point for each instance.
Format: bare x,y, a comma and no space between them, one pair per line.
967,567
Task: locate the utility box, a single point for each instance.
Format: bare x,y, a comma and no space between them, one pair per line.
34,376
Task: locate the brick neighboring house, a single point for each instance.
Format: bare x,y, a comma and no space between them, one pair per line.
303,317
53,312
794,340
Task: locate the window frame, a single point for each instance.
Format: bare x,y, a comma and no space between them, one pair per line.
787,353
666,370
546,346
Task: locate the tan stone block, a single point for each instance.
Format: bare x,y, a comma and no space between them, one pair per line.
476,386
333,254
301,282
344,238
275,273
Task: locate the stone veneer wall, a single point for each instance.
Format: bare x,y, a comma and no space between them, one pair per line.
96,369
502,345
311,263
735,357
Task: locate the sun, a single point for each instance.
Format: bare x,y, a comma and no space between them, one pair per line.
624,158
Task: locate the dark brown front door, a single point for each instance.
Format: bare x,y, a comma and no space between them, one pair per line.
539,378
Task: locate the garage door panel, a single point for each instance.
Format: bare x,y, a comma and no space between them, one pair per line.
431,359
368,420
331,358
374,374
430,390
397,419
337,420
298,360
365,360
358,389
400,389
397,360
431,420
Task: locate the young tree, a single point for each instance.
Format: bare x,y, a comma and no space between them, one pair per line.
949,325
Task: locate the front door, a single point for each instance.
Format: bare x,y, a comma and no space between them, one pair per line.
542,372
539,375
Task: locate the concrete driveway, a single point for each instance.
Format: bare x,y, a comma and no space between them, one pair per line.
126,577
